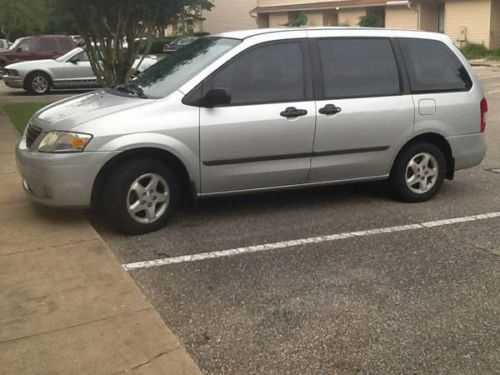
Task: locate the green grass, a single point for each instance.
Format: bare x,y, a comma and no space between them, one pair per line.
479,51
20,113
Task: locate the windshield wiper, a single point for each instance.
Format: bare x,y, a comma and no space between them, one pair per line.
132,89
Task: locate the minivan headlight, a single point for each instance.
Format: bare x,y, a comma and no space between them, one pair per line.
57,141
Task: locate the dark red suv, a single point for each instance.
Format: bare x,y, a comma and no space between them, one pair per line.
36,48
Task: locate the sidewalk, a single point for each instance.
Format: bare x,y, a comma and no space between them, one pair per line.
66,305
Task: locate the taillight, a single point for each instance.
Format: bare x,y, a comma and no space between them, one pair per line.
484,111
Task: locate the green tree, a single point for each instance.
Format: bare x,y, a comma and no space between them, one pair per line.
21,17
116,31
298,21
367,21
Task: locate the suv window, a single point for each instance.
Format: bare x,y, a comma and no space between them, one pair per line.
47,45
266,74
27,45
358,67
66,44
433,67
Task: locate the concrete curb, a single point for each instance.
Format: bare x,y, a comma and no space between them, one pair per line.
66,304
485,62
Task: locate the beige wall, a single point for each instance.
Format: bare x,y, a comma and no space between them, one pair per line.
401,17
315,18
278,19
473,14
228,15
429,17
350,17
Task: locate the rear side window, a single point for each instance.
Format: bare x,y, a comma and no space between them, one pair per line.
47,45
266,74
358,68
433,67
66,44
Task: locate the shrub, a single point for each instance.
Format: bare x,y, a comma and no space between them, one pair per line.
474,51
367,21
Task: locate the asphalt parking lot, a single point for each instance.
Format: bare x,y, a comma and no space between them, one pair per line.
379,298
422,300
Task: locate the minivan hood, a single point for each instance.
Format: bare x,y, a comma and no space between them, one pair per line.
69,113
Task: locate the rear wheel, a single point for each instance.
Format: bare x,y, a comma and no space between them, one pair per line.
38,83
140,196
419,172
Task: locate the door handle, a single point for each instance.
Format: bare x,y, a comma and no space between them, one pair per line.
292,112
330,109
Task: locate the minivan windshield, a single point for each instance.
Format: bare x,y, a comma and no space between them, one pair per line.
166,76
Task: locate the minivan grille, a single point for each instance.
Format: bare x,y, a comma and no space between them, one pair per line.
32,134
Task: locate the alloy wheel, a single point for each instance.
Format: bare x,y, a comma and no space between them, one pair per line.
422,173
148,198
40,84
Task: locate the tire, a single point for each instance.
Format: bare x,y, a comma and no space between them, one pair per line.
154,206
418,172
38,83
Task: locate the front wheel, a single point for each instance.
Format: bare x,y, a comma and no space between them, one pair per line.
140,196
418,172
38,83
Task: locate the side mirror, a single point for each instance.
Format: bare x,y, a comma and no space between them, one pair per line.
74,60
216,97
19,50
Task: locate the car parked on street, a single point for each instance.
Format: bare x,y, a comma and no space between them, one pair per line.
70,71
262,110
179,43
36,48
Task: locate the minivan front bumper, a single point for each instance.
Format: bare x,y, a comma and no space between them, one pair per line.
63,180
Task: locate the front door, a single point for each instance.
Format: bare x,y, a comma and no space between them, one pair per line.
75,73
363,114
264,136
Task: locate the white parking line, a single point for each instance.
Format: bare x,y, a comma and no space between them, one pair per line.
304,241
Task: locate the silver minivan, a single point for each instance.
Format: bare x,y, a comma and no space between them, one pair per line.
261,110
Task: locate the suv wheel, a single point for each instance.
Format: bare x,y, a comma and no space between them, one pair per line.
38,83
140,196
419,172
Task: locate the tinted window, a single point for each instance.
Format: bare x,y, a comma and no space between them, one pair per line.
26,45
265,74
82,56
358,68
433,67
47,45
66,44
